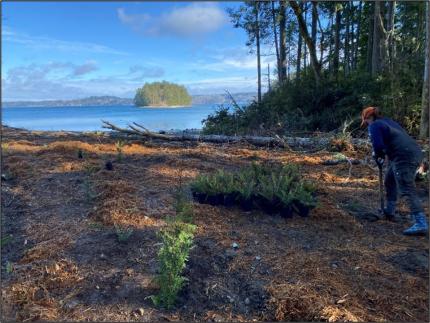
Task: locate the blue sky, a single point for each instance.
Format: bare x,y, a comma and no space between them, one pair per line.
53,50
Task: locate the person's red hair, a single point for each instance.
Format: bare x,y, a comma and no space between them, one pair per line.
369,112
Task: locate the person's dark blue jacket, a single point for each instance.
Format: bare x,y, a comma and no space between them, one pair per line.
389,138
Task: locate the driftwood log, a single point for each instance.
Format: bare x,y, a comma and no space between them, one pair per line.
136,130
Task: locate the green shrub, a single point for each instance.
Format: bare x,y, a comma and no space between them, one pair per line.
303,106
268,186
177,240
273,183
91,168
9,267
246,183
304,193
183,207
119,145
285,195
200,184
88,190
5,240
123,234
224,182
5,148
220,122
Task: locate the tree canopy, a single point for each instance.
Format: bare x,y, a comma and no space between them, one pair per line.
333,59
162,94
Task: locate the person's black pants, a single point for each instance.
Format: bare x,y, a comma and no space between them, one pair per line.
400,180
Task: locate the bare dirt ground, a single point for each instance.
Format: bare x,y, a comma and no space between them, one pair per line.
61,259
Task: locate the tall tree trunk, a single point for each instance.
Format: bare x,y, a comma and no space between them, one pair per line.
299,51
337,41
321,41
390,30
424,126
275,33
314,22
347,36
282,39
379,50
268,78
357,35
370,39
330,49
257,40
316,67
305,58
376,48
289,58
351,37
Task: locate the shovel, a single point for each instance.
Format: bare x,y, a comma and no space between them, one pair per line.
372,216
381,190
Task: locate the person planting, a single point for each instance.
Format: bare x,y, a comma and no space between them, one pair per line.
390,140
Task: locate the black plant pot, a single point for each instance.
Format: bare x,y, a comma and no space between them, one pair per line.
286,211
260,202
302,209
269,206
215,199
200,197
246,204
230,199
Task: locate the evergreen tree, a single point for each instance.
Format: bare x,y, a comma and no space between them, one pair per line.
162,94
370,53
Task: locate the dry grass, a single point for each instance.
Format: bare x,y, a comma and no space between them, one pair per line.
46,249
114,202
19,167
34,295
331,266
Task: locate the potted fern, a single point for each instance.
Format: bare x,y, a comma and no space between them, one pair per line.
199,188
246,187
304,199
214,191
230,189
286,202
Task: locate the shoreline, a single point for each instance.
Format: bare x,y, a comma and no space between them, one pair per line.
165,107
87,132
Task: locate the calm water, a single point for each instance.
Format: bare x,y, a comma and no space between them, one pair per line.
89,118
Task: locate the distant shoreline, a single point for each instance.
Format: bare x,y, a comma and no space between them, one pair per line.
165,106
243,97
95,132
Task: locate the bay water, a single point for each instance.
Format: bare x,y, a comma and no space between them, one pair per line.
88,118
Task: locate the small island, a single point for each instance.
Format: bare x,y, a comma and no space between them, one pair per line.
162,94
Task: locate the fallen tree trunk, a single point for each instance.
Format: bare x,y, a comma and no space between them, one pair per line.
137,130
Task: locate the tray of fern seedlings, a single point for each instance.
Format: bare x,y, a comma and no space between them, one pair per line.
200,187
304,198
246,186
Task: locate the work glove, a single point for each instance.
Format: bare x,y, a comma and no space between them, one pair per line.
379,158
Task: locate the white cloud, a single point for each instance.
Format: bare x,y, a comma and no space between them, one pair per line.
85,68
141,72
195,19
44,81
36,82
233,84
42,42
62,80
230,58
55,80
136,21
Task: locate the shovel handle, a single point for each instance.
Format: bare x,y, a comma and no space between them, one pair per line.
381,187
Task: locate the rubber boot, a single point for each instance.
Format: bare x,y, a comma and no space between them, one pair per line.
390,210
420,227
